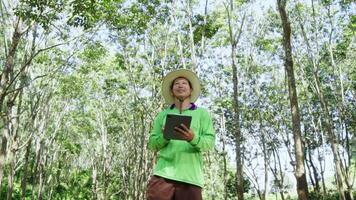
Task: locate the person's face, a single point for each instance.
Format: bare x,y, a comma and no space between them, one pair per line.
181,88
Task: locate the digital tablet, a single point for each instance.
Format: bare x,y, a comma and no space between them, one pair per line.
175,121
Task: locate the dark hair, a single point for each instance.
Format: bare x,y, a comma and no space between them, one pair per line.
190,84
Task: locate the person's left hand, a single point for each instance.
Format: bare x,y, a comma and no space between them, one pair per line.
186,133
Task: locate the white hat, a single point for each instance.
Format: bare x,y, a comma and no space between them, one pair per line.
171,76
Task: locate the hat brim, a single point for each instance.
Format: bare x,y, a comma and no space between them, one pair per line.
171,76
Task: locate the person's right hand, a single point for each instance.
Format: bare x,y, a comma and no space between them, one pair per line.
186,133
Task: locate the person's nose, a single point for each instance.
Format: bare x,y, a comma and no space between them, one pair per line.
180,85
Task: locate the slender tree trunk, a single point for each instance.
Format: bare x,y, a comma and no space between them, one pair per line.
321,161
342,110
5,82
340,171
41,180
317,130
277,172
14,123
180,45
191,37
223,140
266,160
302,185
142,163
265,151
238,136
40,124
236,117
3,150
312,169
95,181
105,153
9,65
203,33
25,170
12,158
36,170
14,116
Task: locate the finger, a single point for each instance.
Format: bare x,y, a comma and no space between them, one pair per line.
184,127
179,130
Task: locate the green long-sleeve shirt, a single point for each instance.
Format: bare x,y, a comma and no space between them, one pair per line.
178,159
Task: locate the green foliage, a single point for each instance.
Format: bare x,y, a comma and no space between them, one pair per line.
115,86
274,21
326,2
71,87
93,52
135,17
232,187
207,29
86,13
241,2
42,12
313,195
120,61
348,34
77,186
267,44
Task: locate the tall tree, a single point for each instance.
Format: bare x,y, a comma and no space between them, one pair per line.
234,36
302,185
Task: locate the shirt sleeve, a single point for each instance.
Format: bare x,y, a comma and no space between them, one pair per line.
156,140
205,140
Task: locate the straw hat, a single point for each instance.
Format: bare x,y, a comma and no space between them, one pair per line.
171,76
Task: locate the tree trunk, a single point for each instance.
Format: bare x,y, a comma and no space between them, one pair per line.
302,186
9,65
5,82
105,154
342,110
36,170
12,158
322,161
312,169
224,153
142,163
41,180
236,116
25,170
340,171
277,172
14,123
95,181
203,33
34,174
266,160
3,150
191,36
265,151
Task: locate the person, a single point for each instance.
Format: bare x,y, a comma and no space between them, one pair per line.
178,173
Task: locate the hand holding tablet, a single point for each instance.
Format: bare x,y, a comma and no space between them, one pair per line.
172,121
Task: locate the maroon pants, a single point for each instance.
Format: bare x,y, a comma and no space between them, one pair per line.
159,188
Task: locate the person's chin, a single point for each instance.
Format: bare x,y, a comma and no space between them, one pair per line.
180,97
